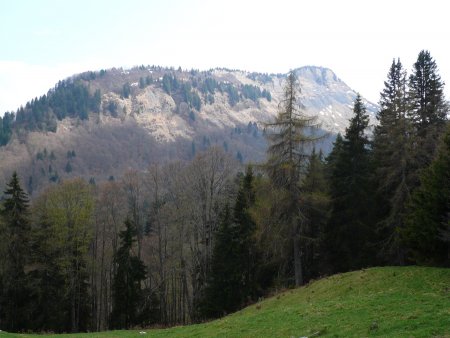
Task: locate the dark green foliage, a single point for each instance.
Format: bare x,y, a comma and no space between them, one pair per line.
73,99
233,280
112,107
251,92
192,115
427,227
233,94
254,93
170,84
196,101
68,168
15,233
70,98
392,160
348,230
191,97
54,177
428,108
222,294
127,290
6,128
126,90
142,83
314,201
210,99
209,85
239,157
71,154
265,93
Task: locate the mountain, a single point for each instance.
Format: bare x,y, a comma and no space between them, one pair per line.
99,124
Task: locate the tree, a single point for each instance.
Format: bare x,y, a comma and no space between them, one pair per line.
64,216
232,281
428,108
288,154
16,227
127,291
426,232
315,207
126,90
392,164
247,250
348,230
222,294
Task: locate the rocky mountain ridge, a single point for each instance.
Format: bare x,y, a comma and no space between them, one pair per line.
145,115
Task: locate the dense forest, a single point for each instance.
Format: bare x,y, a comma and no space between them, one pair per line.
183,242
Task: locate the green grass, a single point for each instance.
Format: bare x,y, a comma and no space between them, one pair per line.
378,302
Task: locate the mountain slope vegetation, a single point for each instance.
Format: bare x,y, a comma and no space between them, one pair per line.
116,119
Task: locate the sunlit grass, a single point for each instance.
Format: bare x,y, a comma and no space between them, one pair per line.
378,302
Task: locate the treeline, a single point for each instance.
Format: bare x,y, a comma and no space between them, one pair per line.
69,98
184,242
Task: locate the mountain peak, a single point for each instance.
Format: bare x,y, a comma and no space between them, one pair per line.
319,75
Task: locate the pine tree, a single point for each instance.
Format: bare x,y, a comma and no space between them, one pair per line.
288,153
392,164
14,294
348,230
428,108
426,232
127,291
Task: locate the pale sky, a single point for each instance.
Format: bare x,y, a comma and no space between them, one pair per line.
42,42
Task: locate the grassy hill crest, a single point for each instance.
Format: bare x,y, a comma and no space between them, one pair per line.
376,302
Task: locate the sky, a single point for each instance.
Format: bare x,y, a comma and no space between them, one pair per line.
42,42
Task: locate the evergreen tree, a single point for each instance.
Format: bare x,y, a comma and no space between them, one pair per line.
428,108
15,292
426,232
247,251
223,292
315,206
233,278
348,231
392,164
127,290
288,155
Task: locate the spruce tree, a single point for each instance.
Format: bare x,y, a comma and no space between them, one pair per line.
16,227
428,108
223,291
289,137
247,251
315,206
348,231
127,290
427,227
233,280
392,164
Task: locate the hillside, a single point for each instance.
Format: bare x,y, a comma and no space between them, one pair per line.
379,302
98,124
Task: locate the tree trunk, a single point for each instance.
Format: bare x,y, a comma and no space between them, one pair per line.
298,272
